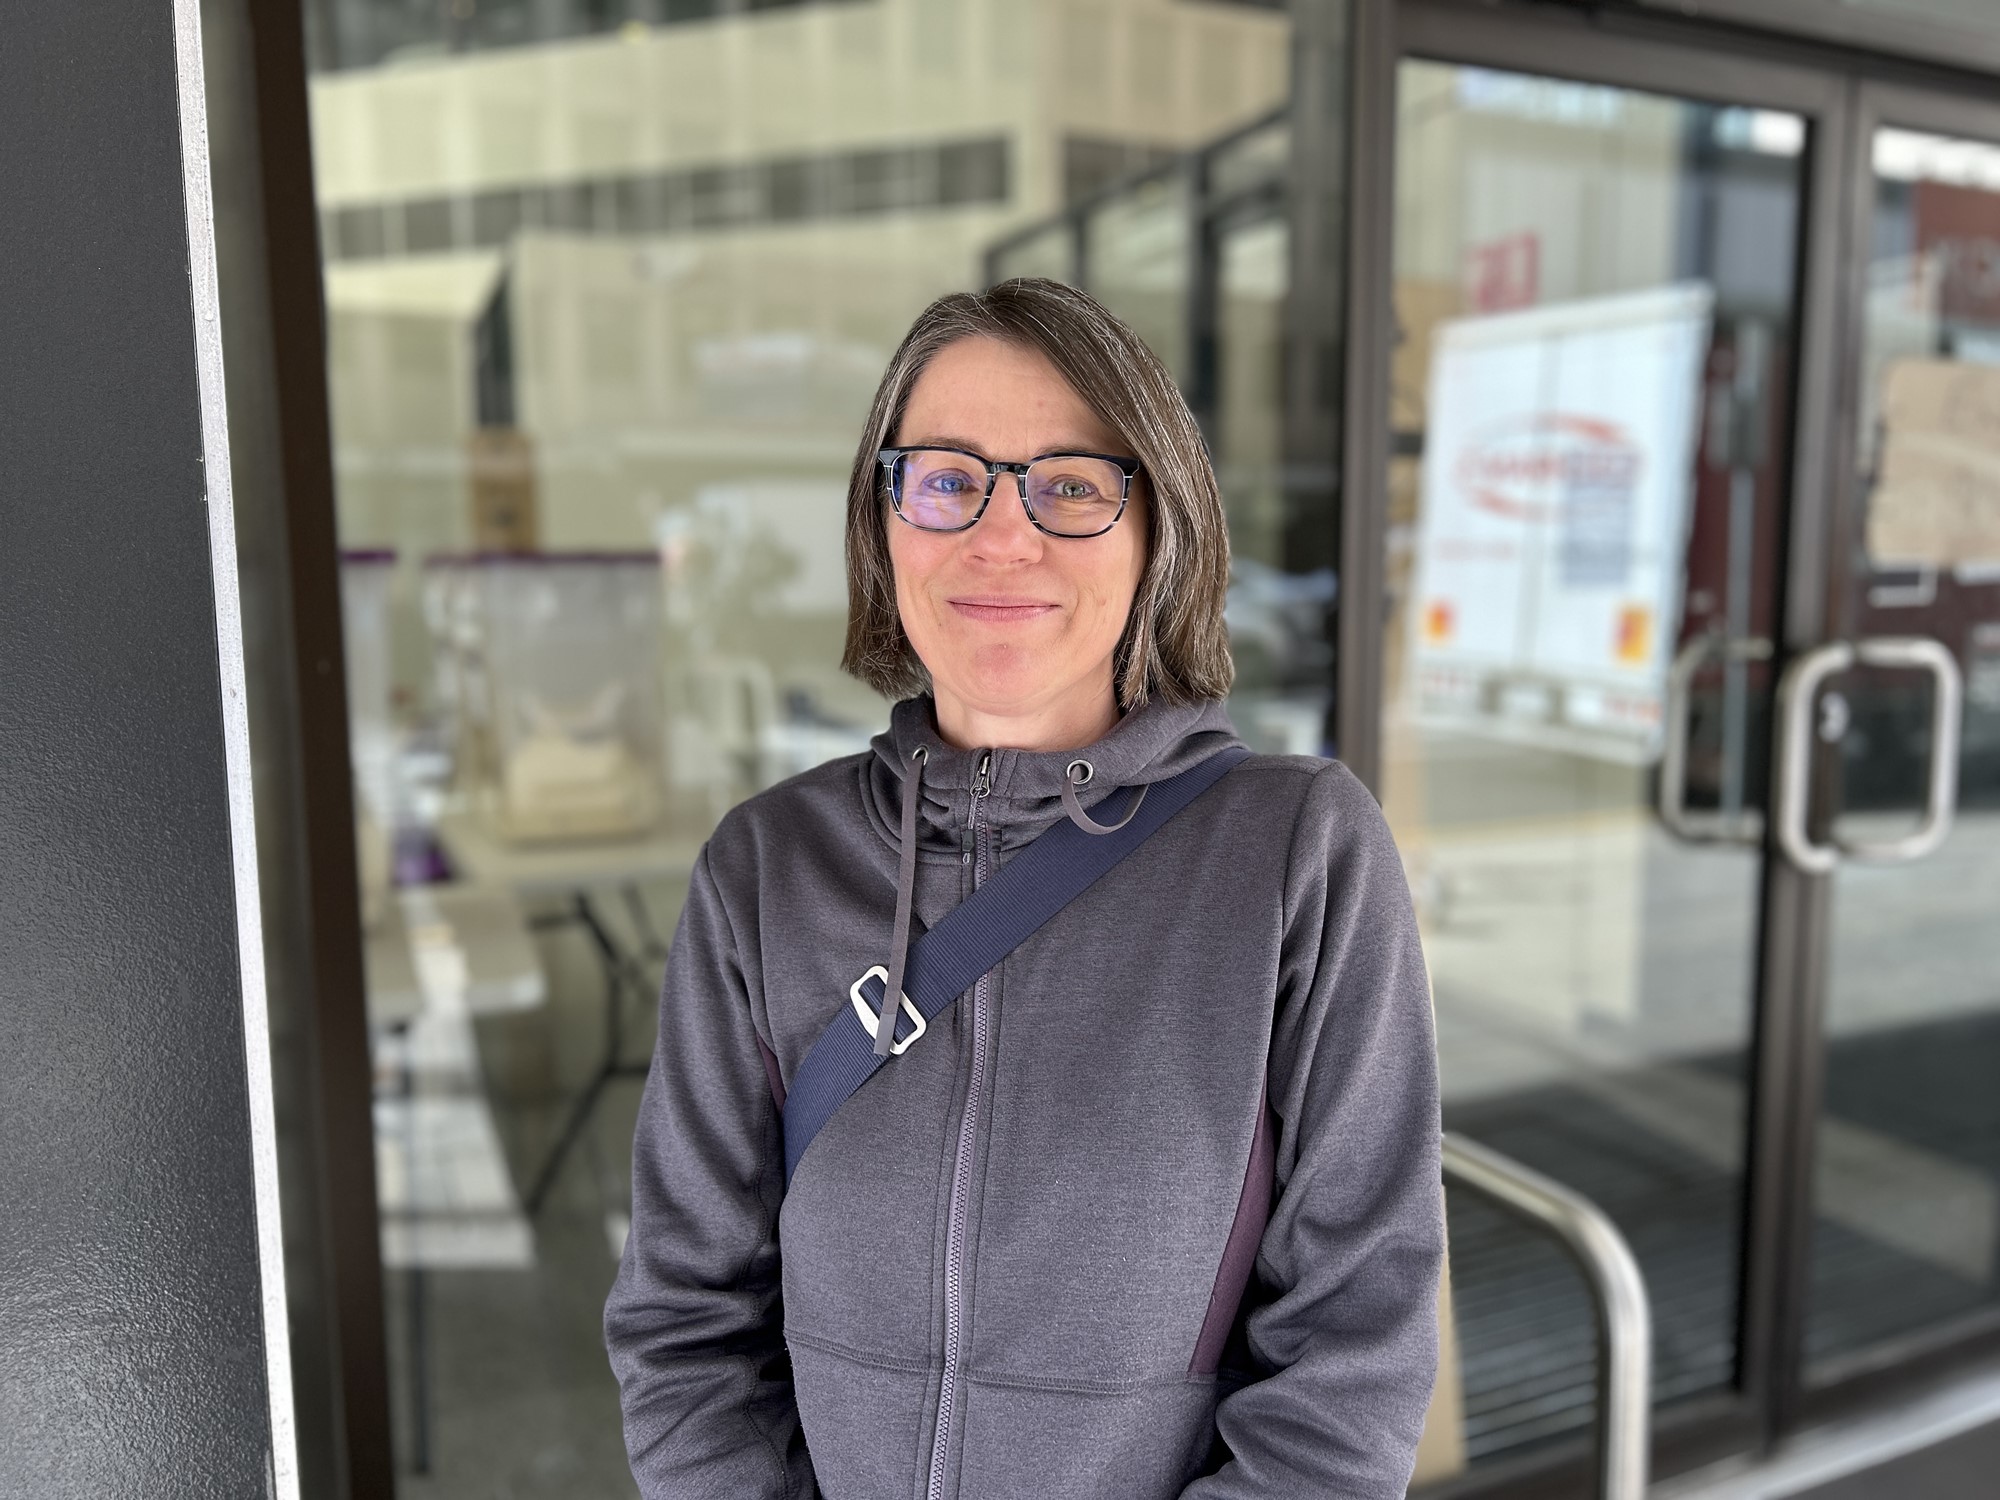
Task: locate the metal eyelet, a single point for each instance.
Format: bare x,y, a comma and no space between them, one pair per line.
1088,772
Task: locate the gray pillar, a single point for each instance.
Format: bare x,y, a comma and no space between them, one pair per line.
142,1300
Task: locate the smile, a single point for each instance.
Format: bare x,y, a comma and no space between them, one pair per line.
1001,611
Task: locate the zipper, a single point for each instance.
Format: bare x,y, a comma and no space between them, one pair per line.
961,1167
981,785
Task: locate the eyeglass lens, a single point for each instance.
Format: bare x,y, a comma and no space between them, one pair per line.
941,491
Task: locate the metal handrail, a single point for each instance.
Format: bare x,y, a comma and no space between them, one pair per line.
1624,1316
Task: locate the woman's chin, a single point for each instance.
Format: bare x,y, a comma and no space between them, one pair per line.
1003,682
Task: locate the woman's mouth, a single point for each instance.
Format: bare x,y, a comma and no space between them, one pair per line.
1000,610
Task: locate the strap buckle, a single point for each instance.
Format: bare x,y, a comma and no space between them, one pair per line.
870,1020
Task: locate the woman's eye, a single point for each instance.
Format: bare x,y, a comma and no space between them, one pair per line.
1071,489
949,484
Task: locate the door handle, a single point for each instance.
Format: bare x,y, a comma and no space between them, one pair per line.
1744,828
1796,691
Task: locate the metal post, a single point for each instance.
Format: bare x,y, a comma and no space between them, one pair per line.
1624,1317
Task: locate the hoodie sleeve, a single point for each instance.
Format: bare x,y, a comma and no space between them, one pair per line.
694,1321
1342,1326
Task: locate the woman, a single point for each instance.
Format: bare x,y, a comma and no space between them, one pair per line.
1153,1209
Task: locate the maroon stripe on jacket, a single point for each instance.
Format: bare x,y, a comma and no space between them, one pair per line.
1239,1252
773,1076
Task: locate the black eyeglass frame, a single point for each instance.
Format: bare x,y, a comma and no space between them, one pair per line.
1128,469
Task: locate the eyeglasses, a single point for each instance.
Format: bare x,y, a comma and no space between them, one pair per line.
1065,494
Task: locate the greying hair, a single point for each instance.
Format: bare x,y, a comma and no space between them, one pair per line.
1174,643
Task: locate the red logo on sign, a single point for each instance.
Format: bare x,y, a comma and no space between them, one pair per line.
1529,468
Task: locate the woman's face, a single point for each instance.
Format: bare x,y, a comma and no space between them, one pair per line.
1013,622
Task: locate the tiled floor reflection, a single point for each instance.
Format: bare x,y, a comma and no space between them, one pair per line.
1905,1235
518,1400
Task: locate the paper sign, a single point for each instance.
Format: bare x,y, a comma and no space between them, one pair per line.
1937,491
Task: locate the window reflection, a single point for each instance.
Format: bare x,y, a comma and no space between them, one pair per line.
608,287
1593,299
1907,1159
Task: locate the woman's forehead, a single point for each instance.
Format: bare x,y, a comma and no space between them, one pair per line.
1001,400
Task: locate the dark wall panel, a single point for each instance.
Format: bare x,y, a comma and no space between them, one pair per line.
131,1347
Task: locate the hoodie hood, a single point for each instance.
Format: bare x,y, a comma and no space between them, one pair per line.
1150,743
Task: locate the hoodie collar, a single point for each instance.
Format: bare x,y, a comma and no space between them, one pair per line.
1150,743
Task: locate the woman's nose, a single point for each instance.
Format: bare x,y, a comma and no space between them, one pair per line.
1004,532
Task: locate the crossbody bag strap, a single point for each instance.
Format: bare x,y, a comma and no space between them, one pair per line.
1039,881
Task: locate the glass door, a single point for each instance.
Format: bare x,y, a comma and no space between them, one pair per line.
1597,287
1902,809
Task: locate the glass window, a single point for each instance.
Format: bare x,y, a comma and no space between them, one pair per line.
1281,573
609,285
1906,1183
1046,251
1137,261
1594,303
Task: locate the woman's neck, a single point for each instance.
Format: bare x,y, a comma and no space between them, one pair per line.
1067,723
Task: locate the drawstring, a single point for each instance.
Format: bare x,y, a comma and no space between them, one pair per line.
1071,781
906,876
906,882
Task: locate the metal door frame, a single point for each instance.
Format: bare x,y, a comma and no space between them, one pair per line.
1844,95
274,334
1698,61
1622,42
1853,1379
1915,36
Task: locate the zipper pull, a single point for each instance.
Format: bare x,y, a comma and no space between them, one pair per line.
981,785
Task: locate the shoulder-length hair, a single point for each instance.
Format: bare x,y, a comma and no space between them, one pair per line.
1174,643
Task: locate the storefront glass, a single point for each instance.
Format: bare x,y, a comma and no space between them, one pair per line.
1594,302
1906,1183
608,289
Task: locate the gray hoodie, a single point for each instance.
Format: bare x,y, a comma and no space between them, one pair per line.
1152,1211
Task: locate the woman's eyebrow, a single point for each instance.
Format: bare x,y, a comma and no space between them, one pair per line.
938,440
941,440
